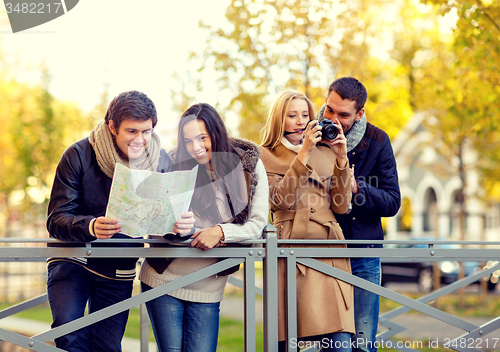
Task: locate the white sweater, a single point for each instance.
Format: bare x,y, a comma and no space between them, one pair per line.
211,289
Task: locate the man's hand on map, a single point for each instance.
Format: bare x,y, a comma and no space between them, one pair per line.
184,225
105,227
207,238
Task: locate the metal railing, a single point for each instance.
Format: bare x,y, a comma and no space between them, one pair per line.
269,251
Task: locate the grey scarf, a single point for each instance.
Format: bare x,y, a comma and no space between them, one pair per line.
354,135
107,154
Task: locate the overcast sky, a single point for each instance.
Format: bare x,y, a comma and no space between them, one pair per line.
127,44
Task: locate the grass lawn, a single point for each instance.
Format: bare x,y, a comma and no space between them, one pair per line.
475,305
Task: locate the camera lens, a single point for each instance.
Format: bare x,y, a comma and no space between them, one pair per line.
329,132
328,129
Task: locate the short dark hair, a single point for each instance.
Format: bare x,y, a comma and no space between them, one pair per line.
350,88
132,105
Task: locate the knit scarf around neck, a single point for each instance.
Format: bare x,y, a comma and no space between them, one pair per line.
289,145
355,134
107,154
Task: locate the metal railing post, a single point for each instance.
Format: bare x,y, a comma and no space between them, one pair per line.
290,297
144,319
270,265
249,301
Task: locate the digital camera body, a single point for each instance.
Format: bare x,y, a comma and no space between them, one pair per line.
329,130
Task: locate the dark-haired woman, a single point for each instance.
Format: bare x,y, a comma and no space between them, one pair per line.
230,203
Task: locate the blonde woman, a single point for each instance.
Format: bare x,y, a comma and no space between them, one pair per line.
309,180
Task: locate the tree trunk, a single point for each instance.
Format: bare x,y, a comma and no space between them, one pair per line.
462,218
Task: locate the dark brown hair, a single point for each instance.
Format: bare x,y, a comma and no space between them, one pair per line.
225,159
132,105
350,88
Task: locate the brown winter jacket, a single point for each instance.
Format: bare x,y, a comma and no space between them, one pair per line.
302,201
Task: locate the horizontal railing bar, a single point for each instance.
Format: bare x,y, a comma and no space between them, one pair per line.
125,252
398,242
258,241
405,254
20,254
110,240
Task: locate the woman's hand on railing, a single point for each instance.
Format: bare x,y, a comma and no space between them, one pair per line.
207,238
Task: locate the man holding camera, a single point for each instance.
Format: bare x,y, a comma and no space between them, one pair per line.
375,194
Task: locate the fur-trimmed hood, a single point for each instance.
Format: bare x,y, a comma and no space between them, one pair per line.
250,153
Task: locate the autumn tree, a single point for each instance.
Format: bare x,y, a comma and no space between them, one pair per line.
463,87
36,128
379,44
44,128
268,46
477,47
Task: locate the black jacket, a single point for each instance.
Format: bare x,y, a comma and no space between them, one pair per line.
80,194
377,178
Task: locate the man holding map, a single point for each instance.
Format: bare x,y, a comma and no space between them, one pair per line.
77,211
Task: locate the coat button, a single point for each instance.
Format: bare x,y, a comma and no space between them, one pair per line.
353,153
353,218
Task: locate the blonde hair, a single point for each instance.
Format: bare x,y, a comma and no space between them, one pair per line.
274,129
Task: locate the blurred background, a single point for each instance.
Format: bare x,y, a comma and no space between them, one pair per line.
431,68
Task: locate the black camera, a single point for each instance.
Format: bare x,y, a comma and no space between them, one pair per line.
329,130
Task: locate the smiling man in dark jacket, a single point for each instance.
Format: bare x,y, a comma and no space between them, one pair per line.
76,213
375,194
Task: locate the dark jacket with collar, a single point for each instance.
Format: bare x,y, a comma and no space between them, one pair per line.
378,185
80,194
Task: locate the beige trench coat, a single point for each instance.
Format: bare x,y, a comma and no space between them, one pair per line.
301,208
